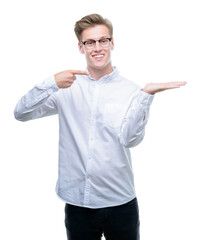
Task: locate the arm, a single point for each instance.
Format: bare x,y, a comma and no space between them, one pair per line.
133,126
40,101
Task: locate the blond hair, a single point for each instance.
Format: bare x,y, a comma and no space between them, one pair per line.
90,21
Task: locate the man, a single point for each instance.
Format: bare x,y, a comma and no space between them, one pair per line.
101,116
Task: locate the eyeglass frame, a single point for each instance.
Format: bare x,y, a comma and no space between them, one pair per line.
107,38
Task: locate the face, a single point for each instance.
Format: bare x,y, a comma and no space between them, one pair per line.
98,58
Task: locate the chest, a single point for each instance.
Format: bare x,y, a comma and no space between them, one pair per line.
105,104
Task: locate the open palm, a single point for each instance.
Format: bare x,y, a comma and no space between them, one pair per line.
153,88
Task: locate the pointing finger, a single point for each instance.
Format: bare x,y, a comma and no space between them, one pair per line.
79,72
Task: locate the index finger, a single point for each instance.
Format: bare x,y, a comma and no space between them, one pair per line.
79,72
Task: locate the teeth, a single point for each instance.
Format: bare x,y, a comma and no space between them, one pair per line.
98,56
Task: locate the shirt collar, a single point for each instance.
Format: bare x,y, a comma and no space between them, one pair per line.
107,77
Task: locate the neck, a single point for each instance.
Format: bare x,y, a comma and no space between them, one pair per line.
99,73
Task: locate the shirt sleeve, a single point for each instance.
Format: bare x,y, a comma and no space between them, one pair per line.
133,126
38,102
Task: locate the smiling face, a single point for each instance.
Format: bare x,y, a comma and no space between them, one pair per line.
98,58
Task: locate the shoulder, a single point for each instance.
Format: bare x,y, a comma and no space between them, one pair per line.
127,83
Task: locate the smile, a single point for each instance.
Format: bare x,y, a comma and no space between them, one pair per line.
98,56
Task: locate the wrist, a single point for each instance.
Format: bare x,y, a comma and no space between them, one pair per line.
146,91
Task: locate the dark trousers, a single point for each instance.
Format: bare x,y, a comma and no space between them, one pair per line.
116,223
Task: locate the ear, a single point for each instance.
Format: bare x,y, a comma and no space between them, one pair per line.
112,43
80,47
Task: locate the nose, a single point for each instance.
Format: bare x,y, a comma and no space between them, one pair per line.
97,47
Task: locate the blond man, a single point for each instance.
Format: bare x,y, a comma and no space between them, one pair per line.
101,116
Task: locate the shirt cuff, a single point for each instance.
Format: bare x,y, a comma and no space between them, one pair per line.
49,83
145,98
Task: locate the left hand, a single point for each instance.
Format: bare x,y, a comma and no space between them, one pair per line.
153,88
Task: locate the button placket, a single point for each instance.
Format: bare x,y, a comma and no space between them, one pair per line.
91,142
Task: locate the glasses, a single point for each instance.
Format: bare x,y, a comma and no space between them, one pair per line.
90,44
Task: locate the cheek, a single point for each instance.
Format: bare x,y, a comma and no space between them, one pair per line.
88,55
88,58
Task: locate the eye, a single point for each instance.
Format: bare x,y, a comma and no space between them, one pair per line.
104,40
89,43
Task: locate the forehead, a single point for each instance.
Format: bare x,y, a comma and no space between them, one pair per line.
95,32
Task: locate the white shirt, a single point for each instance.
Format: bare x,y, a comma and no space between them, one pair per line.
99,121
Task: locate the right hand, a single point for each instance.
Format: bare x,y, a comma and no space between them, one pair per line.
66,78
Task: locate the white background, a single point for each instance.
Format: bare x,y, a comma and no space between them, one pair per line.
155,41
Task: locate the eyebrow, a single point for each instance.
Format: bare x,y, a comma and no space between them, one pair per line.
90,39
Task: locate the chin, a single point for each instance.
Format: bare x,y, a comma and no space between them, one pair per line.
99,66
